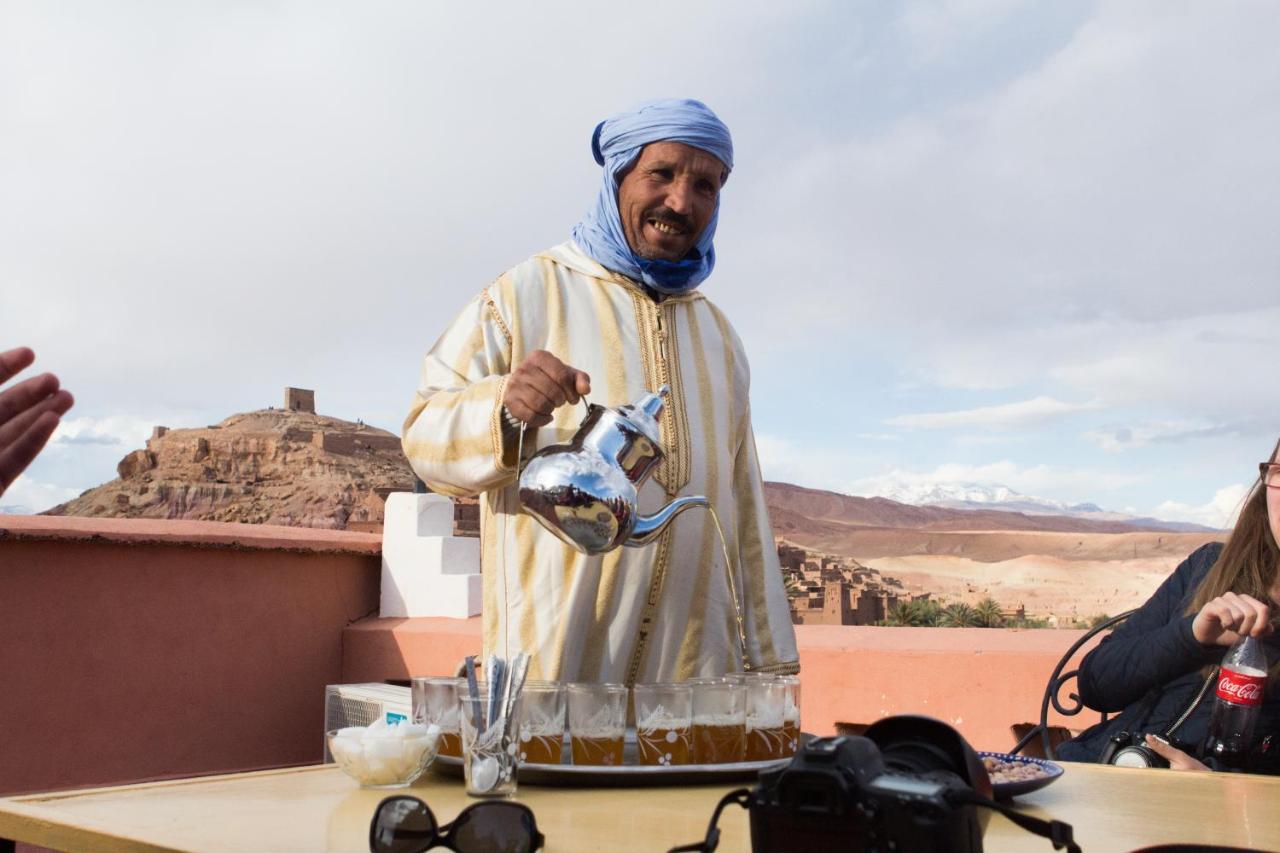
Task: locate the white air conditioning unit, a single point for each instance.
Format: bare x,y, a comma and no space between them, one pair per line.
362,705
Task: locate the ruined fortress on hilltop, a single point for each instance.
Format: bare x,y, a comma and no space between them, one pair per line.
287,466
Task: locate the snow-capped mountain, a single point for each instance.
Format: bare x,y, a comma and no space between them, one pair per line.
1003,498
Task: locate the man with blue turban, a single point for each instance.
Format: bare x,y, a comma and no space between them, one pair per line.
615,312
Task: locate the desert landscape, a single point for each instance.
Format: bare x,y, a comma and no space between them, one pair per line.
1063,590
295,467
1059,569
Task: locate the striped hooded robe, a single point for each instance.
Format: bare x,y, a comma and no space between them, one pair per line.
661,612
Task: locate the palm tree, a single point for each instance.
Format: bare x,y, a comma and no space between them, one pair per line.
930,612
902,615
959,615
987,613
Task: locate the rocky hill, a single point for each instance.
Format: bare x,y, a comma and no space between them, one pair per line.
266,467
294,467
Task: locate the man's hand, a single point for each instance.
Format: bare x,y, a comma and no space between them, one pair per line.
1229,617
541,384
1178,760
29,413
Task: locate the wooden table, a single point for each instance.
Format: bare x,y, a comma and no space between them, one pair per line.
318,808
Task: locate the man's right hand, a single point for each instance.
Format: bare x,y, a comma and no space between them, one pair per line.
541,384
1229,617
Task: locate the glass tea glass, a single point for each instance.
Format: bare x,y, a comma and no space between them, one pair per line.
597,723
719,721
542,720
766,711
490,753
435,701
791,714
664,722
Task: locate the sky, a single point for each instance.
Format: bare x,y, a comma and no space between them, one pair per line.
987,243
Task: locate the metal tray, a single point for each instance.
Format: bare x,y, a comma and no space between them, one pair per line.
628,775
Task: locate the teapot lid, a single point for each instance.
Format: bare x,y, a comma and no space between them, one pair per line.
644,412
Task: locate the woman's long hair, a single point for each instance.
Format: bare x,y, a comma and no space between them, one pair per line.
1250,560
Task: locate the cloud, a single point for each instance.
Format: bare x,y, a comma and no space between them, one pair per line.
1198,367
934,28
1009,415
813,467
1220,512
26,496
1062,483
1030,235
785,461
206,203
1120,437
123,431
820,467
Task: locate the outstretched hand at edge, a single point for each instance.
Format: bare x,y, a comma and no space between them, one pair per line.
29,413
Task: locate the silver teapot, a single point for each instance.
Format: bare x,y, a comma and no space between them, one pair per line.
585,491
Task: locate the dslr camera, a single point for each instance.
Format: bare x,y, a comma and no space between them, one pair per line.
908,784
1126,749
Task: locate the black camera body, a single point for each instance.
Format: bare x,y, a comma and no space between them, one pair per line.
1125,749
898,788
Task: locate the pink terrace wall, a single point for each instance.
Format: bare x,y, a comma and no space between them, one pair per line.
134,650
979,680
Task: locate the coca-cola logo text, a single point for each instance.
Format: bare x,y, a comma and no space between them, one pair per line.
1240,688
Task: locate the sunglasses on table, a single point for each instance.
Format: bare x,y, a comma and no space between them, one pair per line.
406,825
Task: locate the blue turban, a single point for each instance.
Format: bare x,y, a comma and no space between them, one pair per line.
616,144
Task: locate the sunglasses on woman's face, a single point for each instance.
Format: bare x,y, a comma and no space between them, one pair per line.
406,825
1270,472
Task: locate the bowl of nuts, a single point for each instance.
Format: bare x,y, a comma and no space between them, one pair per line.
1014,775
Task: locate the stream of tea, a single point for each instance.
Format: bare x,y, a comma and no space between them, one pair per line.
733,591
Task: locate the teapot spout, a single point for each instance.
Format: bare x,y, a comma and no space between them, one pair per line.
648,527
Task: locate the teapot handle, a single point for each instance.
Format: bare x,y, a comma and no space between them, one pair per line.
520,441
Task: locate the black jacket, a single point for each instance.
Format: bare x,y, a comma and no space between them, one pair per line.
1149,669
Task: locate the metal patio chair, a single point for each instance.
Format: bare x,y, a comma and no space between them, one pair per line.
1057,681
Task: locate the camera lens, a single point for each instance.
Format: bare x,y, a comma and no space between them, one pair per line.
918,756
912,744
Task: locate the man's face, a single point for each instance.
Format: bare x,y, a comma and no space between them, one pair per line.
667,198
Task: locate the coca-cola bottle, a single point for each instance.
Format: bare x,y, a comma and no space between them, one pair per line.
1241,682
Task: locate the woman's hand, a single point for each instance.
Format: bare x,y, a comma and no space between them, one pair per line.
1229,617
1178,760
